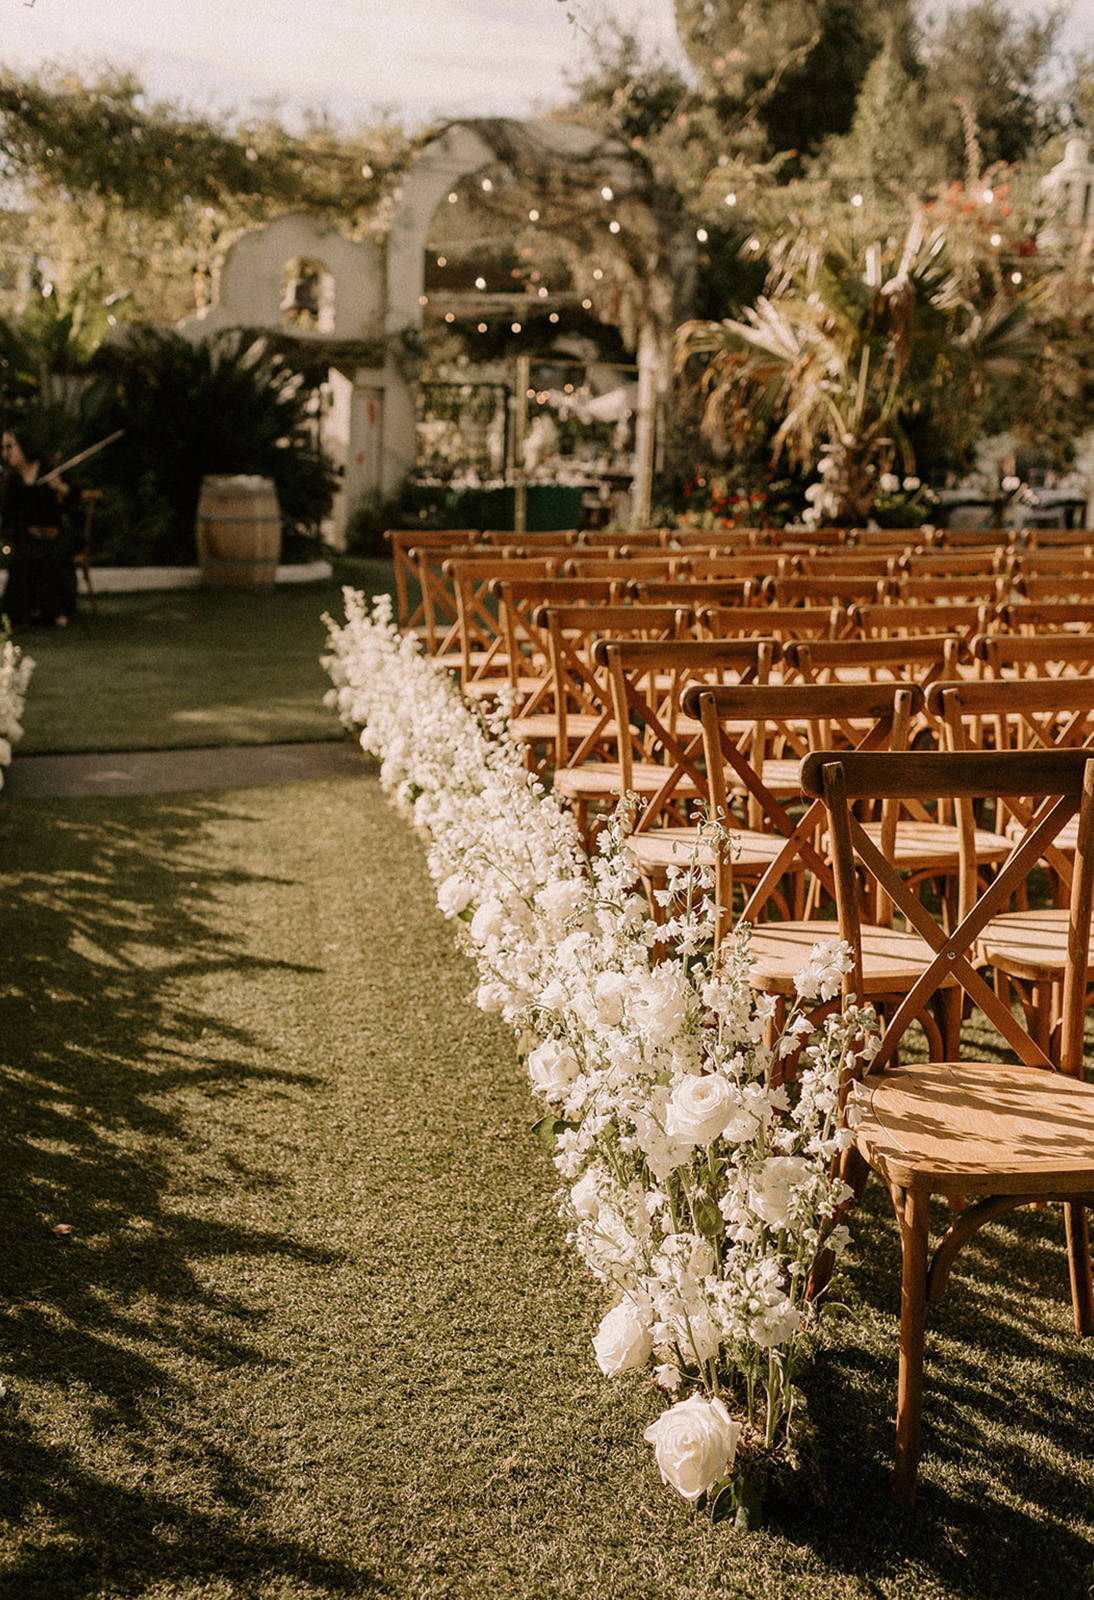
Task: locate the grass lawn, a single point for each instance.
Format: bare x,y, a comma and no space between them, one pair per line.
180,668
315,1331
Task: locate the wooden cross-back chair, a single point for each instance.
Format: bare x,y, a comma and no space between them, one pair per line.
863,717
646,679
996,1135
1039,655
521,610
483,663
404,542
1026,948
898,620
920,660
779,622
586,760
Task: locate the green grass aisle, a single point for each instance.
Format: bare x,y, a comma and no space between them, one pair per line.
174,669
315,1332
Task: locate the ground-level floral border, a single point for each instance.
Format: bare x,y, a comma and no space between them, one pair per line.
15,671
697,1181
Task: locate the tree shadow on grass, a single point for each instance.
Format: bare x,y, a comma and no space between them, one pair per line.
1005,1502
108,1331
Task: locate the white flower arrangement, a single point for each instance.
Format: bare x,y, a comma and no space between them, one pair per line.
698,1180
15,671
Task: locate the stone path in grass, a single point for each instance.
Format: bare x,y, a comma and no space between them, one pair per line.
122,772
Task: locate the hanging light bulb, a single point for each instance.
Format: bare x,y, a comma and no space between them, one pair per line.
702,235
553,317
607,193
450,316
533,215
586,305
515,327
482,327
613,226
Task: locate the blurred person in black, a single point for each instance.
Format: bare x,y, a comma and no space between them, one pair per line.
38,525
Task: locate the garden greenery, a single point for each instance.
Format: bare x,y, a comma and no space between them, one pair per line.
698,1174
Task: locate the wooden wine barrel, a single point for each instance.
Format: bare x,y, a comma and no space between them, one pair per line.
238,532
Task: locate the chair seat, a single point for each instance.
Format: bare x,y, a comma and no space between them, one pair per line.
892,959
976,1127
492,688
935,846
1029,945
597,779
661,848
543,725
1065,841
779,774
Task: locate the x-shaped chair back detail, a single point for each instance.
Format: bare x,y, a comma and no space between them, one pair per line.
580,683
527,645
838,780
479,628
403,542
828,710
646,678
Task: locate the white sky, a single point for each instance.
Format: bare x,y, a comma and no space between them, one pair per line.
419,58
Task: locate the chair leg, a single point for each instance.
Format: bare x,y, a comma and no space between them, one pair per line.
913,1213
1079,1267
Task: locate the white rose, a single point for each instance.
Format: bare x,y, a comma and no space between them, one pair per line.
454,895
771,1191
561,899
623,1341
889,482
585,1195
694,1443
552,1067
659,1005
699,1108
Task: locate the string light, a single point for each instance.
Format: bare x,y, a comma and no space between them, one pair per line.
542,291
423,299
453,197
366,171
450,316
487,186
996,239
586,305
613,226
553,317
480,283
598,273
856,200
702,235
988,196
482,327
533,215
515,327
754,244
731,199
530,394
607,193
442,261
1016,277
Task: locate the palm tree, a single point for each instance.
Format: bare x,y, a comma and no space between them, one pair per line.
846,347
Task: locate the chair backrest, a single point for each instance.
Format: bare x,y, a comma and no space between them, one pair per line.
984,589
972,538
1060,586
832,589
526,643
602,564
1060,781
801,716
1045,655
780,622
621,538
686,591
1048,616
920,660
898,620
983,563
847,563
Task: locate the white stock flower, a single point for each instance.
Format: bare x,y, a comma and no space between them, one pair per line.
585,1194
623,1341
694,1445
776,1322
772,1190
488,921
609,990
820,978
562,899
889,482
552,1067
